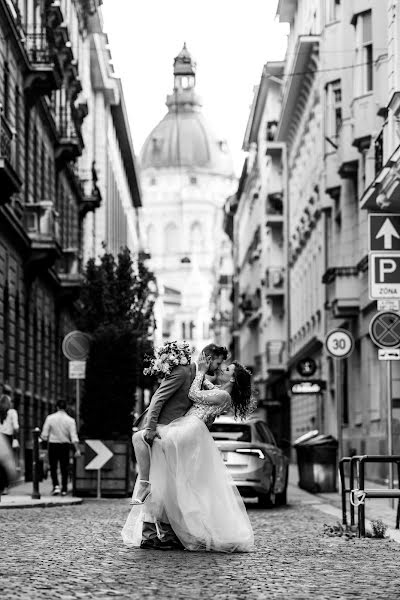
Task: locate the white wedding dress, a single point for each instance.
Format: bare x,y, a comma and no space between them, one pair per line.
191,489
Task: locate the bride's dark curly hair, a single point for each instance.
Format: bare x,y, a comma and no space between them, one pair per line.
243,401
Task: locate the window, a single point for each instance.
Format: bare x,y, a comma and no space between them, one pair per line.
332,10
265,434
364,53
231,431
334,109
6,332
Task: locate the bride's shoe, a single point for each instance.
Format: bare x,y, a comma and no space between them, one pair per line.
137,501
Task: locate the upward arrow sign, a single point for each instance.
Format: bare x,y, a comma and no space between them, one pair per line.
387,231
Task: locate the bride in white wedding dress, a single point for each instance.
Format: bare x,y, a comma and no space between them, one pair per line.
191,488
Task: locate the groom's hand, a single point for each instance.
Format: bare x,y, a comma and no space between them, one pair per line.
149,436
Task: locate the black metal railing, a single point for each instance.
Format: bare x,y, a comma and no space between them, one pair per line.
38,48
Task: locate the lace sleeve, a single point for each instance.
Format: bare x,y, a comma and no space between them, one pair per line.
207,385
211,396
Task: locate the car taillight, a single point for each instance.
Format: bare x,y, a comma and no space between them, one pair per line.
255,451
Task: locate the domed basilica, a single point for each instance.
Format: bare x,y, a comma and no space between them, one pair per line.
186,174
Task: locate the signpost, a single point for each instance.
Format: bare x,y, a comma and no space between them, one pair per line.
103,455
75,347
384,275
384,330
339,343
384,231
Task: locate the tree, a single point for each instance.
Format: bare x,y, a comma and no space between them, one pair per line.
116,308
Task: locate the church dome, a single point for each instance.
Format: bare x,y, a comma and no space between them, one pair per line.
183,137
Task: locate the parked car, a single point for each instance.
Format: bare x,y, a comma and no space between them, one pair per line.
258,466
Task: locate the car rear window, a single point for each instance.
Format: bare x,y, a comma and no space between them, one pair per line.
228,431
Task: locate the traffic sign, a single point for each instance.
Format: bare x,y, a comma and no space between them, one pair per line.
385,354
384,329
76,345
306,367
384,231
103,455
384,275
392,305
76,369
339,343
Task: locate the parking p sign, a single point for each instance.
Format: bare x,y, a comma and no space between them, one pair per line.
384,275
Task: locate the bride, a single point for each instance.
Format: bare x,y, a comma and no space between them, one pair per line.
191,489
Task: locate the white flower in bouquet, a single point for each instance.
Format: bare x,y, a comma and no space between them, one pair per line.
184,360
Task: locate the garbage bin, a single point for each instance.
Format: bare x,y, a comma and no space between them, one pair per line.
317,462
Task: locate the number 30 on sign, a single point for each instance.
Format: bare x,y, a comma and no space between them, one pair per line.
339,343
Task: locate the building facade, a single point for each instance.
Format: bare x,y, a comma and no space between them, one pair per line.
258,230
51,179
186,175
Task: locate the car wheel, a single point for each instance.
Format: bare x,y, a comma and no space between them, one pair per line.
268,500
281,499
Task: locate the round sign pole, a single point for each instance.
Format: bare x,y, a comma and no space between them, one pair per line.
339,343
75,347
389,422
384,330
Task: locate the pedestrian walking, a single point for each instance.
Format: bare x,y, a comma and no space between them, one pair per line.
9,428
59,431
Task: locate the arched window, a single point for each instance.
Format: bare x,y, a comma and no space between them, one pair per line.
171,238
196,238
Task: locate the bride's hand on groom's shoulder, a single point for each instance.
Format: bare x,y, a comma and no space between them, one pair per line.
149,436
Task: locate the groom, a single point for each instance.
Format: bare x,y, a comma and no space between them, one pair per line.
170,401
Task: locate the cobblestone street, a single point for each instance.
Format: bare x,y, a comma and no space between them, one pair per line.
76,552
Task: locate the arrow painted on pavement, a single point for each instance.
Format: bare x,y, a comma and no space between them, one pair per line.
103,455
387,231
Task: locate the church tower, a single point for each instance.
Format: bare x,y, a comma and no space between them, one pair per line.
186,175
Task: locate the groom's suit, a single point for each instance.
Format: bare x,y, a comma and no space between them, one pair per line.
169,402
171,399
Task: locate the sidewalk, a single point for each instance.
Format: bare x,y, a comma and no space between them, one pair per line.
19,496
331,503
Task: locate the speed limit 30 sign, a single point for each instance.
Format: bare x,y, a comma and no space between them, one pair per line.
339,343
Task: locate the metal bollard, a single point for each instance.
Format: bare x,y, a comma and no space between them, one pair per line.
35,464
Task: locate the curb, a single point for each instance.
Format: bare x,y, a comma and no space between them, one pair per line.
42,503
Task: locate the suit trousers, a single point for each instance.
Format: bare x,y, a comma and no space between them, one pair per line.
59,454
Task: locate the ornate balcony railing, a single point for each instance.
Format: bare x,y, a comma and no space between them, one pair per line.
91,195
42,225
45,74
70,143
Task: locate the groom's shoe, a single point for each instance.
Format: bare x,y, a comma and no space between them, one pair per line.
156,544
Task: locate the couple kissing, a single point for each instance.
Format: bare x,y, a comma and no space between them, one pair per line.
184,496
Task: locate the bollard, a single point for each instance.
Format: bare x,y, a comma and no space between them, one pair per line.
35,464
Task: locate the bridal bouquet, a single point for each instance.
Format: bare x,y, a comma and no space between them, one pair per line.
169,356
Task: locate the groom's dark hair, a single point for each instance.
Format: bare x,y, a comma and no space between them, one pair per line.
214,351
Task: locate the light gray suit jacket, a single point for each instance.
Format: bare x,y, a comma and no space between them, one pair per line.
171,399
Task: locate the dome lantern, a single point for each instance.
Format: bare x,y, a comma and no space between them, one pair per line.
184,70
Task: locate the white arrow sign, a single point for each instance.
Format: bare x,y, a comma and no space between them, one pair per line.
387,231
103,455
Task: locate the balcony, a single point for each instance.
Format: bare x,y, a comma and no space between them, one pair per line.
332,180
69,273
10,183
275,354
343,291
91,195
41,222
70,142
45,73
364,119
275,281
250,305
347,154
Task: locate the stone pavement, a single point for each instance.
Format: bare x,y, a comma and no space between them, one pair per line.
19,496
73,552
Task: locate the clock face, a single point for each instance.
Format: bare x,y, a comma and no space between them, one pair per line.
306,367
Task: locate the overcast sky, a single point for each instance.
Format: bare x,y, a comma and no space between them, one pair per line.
229,39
